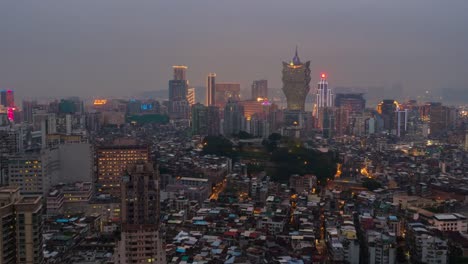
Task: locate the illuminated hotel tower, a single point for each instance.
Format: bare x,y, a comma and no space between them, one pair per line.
211,89
324,96
180,72
296,79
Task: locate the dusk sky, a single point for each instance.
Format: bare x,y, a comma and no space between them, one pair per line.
120,47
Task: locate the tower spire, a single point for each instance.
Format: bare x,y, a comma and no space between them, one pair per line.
296,60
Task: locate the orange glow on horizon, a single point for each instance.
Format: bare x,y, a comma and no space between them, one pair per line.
100,102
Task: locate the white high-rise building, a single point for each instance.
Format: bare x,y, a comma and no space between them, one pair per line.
323,100
324,96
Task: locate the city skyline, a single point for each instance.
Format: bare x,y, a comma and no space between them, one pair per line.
52,51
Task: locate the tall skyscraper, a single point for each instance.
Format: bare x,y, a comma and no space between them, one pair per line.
296,79
233,118
211,89
199,119
324,96
140,213
259,89
227,92
387,109
178,94
213,120
438,120
21,228
180,72
111,164
177,90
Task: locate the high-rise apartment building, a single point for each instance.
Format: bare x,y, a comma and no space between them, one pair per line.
259,89
211,89
28,107
213,120
296,79
226,92
199,119
140,213
180,72
111,164
205,120
233,118
21,228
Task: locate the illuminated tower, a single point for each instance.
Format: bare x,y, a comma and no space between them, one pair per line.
296,79
211,89
191,96
180,72
323,102
324,96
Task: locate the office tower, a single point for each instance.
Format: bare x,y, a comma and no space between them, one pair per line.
178,103
191,96
438,119
180,72
259,89
211,89
140,213
199,119
296,79
401,121
226,92
177,90
213,120
352,102
28,107
21,228
233,118
387,109
111,162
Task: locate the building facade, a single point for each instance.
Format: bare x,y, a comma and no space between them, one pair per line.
21,227
140,212
111,164
226,92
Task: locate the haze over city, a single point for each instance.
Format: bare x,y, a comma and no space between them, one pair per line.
119,48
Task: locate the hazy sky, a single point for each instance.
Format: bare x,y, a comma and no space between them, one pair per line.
120,47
